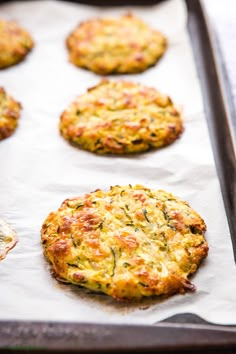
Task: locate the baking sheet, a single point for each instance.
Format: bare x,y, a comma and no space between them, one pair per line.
39,170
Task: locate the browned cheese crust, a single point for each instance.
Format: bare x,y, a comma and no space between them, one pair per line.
15,43
9,114
115,45
121,117
128,242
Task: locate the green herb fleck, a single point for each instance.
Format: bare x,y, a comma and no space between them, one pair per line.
97,142
129,224
125,211
73,240
79,206
114,261
194,229
166,216
144,285
100,226
137,141
47,225
172,227
145,214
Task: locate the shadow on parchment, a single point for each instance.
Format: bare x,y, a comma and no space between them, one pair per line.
107,302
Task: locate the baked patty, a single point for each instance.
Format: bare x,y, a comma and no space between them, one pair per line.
121,117
15,43
9,114
115,45
8,239
128,242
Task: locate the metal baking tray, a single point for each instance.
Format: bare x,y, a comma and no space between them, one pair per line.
181,333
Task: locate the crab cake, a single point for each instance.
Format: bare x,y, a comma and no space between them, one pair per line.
8,239
115,45
121,117
127,242
15,43
9,114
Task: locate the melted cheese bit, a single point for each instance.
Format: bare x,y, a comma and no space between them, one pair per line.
8,238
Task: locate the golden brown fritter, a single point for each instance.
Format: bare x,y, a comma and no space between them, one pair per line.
127,242
9,114
121,117
115,45
15,43
8,239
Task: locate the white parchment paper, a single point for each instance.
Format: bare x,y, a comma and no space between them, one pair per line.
39,169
